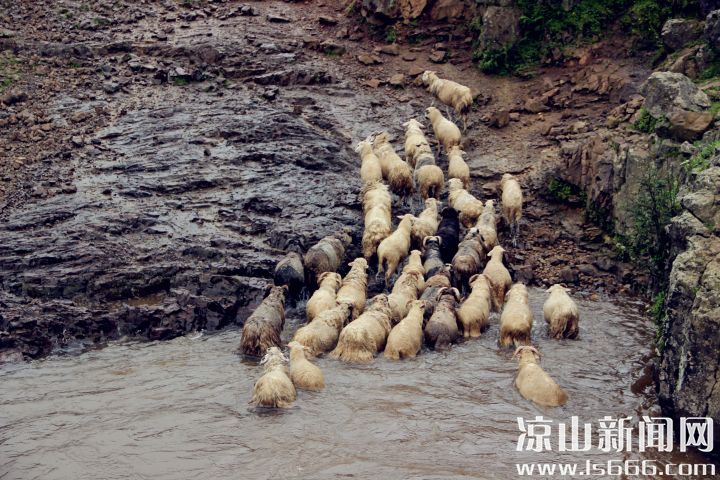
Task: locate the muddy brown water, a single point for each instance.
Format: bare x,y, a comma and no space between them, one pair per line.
179,409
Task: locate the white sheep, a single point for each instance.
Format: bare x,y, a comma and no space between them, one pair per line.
354,287
475,309
561,313
324,297
406,337
425,224
395,248
487,226
378,217
517,318
321,335
370,170
534,383
512,201
303,373
428,176
498,276
415,141
408,287
397,171
468,207
362,338
446,132
457,168
274,388
452,94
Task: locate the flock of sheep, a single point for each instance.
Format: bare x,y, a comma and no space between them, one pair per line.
425,303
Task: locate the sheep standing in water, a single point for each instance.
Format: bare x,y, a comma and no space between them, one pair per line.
262,328
561,313
303,373
475,310
498,276
325,297
517,318
274,388
408,287
442,329
354,287
361,339
321,335
468,259
534,383
406,337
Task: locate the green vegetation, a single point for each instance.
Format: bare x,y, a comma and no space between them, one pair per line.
659,315
390,35
180,81
646,122
547,28
648,242
560,190
9,70
701,160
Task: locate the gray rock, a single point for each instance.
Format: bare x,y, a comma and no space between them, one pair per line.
501,27
678,32
665,90
687,125
712,29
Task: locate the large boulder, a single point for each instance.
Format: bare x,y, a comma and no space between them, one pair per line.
712,29
687,125
448,10
501,27
390,10
664,91
678,32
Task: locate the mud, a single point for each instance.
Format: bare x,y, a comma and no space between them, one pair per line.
168,154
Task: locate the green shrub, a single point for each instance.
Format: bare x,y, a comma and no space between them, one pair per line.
659,315
646,122
648,241
390,35
701,160
560,190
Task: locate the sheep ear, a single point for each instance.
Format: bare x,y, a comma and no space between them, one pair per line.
456,292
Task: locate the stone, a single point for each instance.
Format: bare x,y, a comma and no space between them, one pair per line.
415,71
524,274
444,10
372,83
678,32
367,59
568,275
111,87
409,57
499,118
391,49
536,105
385,11
500,28
328,47
665,90
13,96
327,21
687,125
410,9
438,56
712,30
397,80
277,19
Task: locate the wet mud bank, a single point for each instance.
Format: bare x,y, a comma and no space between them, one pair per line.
163,161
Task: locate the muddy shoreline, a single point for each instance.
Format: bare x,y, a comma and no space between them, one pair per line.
163,159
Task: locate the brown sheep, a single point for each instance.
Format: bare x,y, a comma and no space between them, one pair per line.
361,339
561,313
468,259
534,383
475,310
517,318
325,256
325,297
303,373
433,261
354,287
321,335
406,337
262,328
498,276
274,388
433,285
442,329
487,226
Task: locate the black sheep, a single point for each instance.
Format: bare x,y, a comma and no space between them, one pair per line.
449,233
291,272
